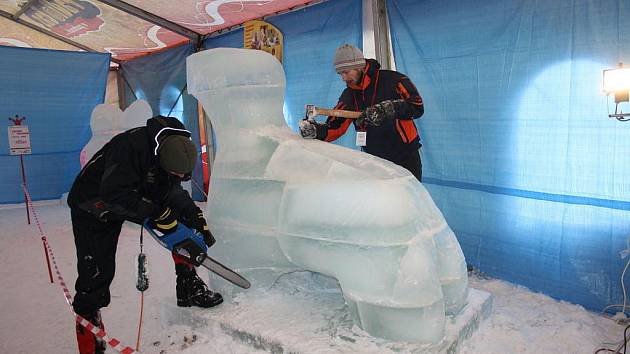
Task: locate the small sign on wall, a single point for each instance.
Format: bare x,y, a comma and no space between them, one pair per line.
19,140
263,36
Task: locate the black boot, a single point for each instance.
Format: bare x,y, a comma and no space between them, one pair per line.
88,342
192,291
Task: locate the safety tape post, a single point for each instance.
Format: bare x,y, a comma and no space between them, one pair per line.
97,331
47,259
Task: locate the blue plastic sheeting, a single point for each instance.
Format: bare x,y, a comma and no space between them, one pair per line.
311,36
519,153
56,92
232,39
159,79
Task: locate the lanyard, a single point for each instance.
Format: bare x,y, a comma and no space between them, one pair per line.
378,74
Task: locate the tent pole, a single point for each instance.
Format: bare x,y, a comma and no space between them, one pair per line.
154,19
121,90
376,36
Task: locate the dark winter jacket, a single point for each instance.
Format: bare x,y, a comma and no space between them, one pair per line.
126,176
394,140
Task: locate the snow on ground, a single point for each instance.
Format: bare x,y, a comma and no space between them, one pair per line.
37,319
526,322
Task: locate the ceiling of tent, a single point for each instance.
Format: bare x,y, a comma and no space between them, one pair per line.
127,29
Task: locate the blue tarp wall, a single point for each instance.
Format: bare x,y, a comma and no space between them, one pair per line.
56,91
519,153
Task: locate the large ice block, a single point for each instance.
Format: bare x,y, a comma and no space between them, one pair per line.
280,203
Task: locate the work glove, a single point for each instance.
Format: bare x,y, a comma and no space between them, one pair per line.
375,115
199,223
166,222
308,129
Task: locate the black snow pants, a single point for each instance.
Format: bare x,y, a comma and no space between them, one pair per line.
96,244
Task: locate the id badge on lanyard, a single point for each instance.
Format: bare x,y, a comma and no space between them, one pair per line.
361,138
362,135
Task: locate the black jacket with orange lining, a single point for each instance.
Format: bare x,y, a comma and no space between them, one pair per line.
395,139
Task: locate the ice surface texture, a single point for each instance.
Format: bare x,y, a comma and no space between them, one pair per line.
280,203
108,120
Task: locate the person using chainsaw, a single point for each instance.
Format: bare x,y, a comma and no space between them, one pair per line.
389,102
136,176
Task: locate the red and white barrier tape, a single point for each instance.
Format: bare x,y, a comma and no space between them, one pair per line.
113,342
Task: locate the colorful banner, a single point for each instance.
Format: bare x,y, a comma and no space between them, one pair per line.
101,27
68,18
207,16
104,28
263,36
16,35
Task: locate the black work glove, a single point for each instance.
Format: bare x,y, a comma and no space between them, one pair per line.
307,129
166,222
310,129
199,223
376,114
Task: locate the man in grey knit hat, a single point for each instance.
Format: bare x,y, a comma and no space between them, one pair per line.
389,102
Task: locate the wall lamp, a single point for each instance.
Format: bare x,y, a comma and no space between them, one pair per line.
617,82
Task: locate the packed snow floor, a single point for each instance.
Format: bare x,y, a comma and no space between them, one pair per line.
37,319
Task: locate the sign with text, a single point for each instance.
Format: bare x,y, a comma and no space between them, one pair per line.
19,140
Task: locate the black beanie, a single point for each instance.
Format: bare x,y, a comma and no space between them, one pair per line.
178,154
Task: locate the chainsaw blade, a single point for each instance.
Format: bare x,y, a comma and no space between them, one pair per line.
225,272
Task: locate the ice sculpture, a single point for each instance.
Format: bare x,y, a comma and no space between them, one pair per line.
280,203
108,120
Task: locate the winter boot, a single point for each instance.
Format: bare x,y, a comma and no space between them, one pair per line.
88,342
192,291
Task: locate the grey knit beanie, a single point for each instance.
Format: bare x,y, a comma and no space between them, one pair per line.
348,57
177,154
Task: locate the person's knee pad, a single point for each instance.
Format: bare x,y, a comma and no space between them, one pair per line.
89,302
88,267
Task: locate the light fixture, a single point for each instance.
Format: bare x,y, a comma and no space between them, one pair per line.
617,82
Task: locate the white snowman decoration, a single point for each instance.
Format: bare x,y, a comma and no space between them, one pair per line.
108,120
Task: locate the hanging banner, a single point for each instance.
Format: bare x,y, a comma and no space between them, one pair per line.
263,36
68,18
